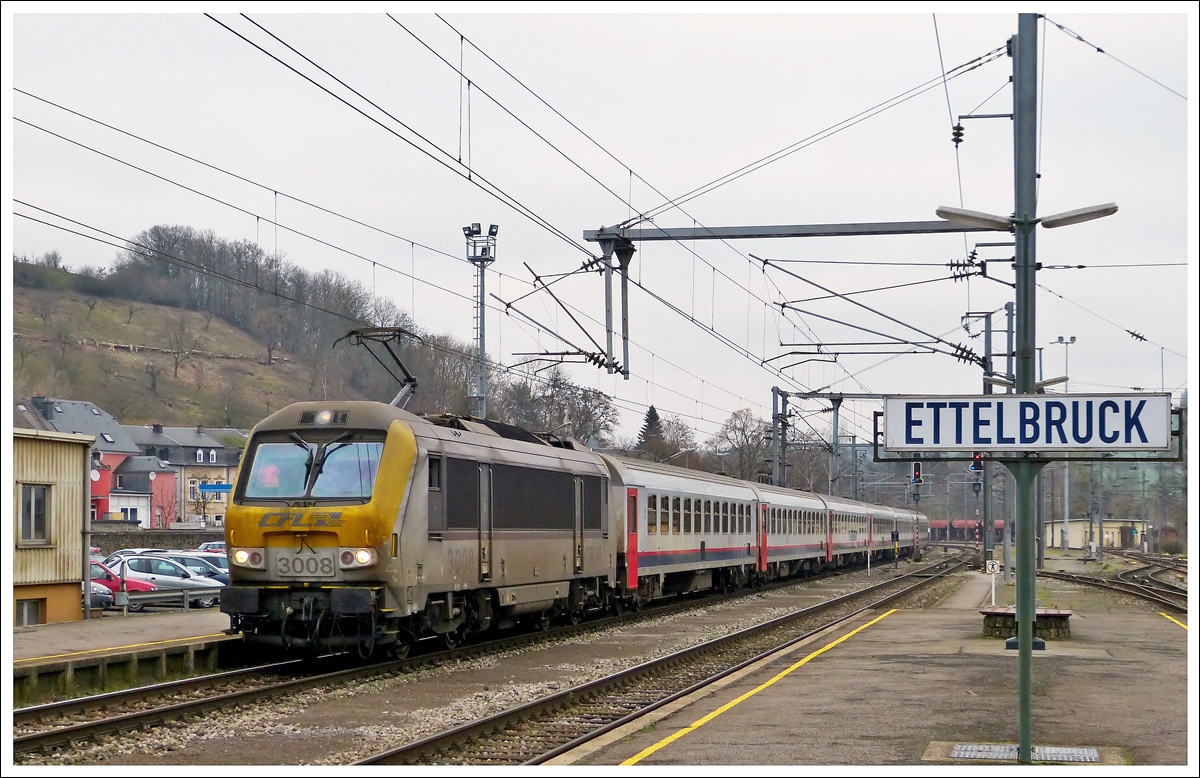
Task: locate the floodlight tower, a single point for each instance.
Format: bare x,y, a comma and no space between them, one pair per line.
481,252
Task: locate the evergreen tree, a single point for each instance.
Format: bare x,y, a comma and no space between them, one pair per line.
652,430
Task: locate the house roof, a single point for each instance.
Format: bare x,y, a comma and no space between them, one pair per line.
144,465
188,437
26,416
86,418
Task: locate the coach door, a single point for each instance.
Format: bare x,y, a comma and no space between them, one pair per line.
578,523
631,538
763,509
485,522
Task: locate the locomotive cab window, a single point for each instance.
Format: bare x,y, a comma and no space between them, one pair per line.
338,466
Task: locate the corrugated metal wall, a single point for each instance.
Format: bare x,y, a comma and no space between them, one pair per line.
60,465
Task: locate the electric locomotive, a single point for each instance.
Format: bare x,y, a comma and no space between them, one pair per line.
359,525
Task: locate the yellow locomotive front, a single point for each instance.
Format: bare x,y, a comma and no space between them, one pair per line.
312,530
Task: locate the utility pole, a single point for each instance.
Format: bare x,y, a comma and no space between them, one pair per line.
1024,52
1009,512
833,455
481,252
989,525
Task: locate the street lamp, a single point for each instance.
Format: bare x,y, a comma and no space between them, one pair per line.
1066,360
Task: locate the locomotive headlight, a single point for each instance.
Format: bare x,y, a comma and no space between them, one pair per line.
324,417
247,557
356,557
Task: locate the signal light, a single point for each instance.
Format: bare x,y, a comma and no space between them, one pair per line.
916,473
977,462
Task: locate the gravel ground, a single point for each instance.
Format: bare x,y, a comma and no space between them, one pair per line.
340,725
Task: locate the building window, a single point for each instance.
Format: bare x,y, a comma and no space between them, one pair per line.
107,437
200,455
192,492
158,522
30,612
33,514
93,511
129,514
219,496
212,456
218,518
120,482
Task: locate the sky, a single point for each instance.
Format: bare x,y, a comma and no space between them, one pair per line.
586,119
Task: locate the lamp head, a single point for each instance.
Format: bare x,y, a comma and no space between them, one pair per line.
492,230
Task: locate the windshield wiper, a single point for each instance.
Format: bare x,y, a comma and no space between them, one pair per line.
316,465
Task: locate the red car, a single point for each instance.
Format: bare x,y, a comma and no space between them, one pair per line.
110,580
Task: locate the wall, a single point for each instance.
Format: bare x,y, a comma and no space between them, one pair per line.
64,602
113,539
55,459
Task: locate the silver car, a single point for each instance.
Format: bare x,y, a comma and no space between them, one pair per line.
167,574
199,564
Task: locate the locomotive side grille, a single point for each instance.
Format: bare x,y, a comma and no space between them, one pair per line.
308,417
340,417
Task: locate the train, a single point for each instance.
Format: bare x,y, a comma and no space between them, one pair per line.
359,526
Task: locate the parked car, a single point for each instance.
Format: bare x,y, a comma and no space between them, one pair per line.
198,564
168,574
102,575
214,558
114,559
101,597
217,546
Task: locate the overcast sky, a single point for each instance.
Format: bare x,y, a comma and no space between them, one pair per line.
670,103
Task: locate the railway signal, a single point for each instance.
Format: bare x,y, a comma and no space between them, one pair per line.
916,473
977,462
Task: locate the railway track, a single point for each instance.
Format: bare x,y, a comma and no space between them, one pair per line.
539,731
62,724
1178,565
1176,601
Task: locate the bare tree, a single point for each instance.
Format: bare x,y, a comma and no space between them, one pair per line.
153,370
198,368
132,310
107,368
62,336
23,347
180,343
43,307
742,440
91,305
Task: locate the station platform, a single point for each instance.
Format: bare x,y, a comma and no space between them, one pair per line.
52,661
906,687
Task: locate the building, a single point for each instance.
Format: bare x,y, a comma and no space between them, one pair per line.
112,443
51,478
197,458
1107,533
144,490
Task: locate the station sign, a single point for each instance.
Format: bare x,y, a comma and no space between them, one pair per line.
1028,423
216,488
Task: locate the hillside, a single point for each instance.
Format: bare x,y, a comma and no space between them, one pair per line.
149,363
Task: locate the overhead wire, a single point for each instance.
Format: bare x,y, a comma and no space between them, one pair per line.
1079,38
816,137
486,185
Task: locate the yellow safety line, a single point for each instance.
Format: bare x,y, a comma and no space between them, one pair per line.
701,722
1177,621
118,648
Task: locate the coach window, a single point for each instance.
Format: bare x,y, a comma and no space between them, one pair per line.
652,515
707,516
687,515
676,516
741,519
